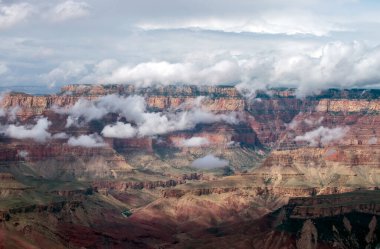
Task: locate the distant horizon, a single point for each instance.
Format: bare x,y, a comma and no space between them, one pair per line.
42,90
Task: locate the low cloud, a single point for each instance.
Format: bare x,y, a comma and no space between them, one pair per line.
38,132
194,142
119,130
209,162
312,121
93,110
323,135
22,153
90,141
144,123
2,111
60,135
161,123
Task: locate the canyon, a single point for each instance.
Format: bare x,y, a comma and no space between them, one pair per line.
281,171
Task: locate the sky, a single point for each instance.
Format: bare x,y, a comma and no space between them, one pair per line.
253,44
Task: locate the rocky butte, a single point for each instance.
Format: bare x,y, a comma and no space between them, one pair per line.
189,167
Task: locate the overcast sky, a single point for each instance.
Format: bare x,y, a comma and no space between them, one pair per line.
309,44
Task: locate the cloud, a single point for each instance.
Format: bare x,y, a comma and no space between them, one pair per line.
13,14
86,109
2,111
22,153
147,123
209,162
38,132
194,142
70,10
65,72
306,66
163,72
119,130
333,65
60,135
10,113
258,43
164,122
323,135
290,23
312,121
97,109
90,141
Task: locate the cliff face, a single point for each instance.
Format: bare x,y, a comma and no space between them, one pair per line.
283,148
164,98
271,120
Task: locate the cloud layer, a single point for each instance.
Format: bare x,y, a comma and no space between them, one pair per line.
335,64
38,132
89,141
119,130
194,142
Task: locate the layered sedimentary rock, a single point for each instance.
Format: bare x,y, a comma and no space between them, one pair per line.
218,98
143,192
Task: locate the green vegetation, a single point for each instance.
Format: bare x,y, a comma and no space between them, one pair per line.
126,213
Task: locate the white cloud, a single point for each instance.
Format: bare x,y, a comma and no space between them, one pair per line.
86,109
65,72
2,111
12,112
133,109
90,141
38,132
70,10
194,142
163,72
281,44
119,130
311,121
22,153
323,135
290,23
161,123
310,68
333,65
209,162
13,14
93,110
60,135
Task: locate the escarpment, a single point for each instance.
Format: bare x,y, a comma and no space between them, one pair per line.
228,171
